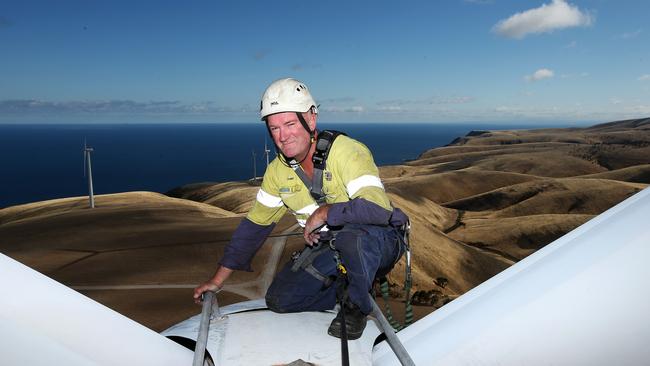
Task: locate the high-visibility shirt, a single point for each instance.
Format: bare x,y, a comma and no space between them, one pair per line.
352,187
350,173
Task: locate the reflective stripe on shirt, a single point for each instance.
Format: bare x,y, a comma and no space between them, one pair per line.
363,181
308,210
268,199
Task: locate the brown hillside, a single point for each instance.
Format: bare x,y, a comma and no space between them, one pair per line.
636,174
133,250
237,197
567,195
516,237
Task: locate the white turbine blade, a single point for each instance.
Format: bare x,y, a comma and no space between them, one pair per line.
47,323
581,300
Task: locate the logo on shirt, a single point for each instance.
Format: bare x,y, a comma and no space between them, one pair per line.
291,189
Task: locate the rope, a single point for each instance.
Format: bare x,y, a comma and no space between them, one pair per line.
408,307
342,294
408,283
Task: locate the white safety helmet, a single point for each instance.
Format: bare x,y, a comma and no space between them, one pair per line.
286,95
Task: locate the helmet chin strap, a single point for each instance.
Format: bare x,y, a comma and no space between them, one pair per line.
301,118
291,161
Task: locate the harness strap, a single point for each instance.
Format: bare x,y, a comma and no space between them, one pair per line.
305,259
316,189
327,281
307,256
324,143
303,177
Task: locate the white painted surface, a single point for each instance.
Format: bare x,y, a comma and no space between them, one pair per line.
42,322
261,337
582,300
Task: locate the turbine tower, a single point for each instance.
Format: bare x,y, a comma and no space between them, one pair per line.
87,166
254,166
266,152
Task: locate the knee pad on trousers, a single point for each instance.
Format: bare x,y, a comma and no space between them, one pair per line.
273,303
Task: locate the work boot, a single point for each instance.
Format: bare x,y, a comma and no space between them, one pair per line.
354,319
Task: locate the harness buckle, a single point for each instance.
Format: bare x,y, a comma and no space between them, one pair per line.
295,255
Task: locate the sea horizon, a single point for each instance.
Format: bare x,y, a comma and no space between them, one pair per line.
45,161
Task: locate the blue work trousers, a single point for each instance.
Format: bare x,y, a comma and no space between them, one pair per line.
366,251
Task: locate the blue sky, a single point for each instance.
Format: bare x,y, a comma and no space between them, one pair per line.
364,61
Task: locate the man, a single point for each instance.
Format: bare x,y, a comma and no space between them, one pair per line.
354,208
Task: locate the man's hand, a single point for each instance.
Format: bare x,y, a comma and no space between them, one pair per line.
204,287
314,223
214,284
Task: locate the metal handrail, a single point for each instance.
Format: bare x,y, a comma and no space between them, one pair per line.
394,342
208,298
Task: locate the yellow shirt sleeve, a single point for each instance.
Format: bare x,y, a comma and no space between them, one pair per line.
353,162
268,207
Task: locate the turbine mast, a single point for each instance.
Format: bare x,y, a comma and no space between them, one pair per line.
88,166
266,152
254,166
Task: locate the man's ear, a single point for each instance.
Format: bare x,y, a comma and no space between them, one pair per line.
311,119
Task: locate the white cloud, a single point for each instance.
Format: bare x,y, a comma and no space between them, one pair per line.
645,77
391,108
629,35
547,18
25,106
508,109
572,44
452,100
640,110
438,99
539,75
615,101
338,100
336,109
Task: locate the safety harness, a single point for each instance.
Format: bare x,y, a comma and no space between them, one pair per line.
324,143
304,259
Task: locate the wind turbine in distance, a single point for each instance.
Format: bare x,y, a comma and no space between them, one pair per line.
266,152
88,166
254,167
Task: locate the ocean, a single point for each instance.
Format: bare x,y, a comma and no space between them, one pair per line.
41,162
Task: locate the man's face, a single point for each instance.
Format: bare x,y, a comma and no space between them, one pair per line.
289,134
